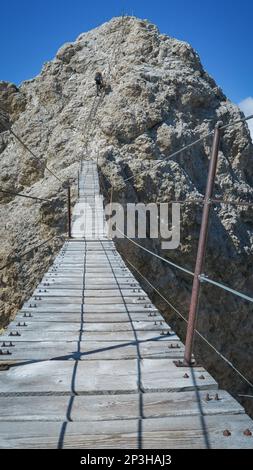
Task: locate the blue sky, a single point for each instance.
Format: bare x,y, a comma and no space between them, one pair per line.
220,30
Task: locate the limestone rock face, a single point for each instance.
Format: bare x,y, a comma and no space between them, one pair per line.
157,99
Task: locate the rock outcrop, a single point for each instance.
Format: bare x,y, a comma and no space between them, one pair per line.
158,98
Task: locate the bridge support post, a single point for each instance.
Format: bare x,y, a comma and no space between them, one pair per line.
78,184
110,221
193,311
69,210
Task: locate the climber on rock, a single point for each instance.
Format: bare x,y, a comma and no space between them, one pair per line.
99,82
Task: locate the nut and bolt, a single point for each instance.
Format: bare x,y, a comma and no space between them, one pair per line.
247,432
174,346
5,353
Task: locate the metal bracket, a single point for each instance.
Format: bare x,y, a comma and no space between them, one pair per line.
179,363
4,367
203,277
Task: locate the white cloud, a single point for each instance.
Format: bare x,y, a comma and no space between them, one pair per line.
247,107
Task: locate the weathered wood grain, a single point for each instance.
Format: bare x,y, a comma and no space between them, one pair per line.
161,433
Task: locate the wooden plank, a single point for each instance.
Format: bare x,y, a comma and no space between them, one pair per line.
162,433
162,375
70,350
45,327
53,308
113,407
114,292
197,432
125,336
46,292
103,435
189,403
161,349
41,336
57,408
29,351
56,296
30,335
75,317
62,376
143,316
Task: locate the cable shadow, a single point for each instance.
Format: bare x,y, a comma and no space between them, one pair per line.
74,373
141,414
201,412
77,355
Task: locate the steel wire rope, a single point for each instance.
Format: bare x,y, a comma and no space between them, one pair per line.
29,150
186,147
196,331
24,195
34,248
202,278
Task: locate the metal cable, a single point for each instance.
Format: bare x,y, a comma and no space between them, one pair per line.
30,151
187,271
196,331
246,396
202,278
18,257
24,195
232,203
212,201
186,147
237,122
228,289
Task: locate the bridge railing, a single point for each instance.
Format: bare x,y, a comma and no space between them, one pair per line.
198,274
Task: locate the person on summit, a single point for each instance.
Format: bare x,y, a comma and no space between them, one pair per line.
99,82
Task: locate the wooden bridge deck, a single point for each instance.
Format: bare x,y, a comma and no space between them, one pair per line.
91,360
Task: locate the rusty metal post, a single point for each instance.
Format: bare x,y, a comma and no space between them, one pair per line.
110,221
69,209
201,247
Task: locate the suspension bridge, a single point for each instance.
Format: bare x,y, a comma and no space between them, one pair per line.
89,362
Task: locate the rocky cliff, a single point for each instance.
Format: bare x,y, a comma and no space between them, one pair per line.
157,99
